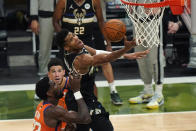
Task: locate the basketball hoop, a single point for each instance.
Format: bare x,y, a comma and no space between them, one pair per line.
147,15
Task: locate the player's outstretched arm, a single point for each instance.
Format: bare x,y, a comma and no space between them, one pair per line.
136,55
80,117
83,62
103,58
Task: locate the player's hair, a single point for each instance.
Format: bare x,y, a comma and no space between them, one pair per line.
42,87
55,62
60,38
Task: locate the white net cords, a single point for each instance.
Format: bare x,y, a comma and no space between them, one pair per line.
146,23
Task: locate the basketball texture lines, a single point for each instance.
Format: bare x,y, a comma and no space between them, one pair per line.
115,30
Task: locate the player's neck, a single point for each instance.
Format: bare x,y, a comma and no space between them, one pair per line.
77,51
79,1
52,101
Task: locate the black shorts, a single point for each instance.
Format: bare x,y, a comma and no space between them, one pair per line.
100,120
98,38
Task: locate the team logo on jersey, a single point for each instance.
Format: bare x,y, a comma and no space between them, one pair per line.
71,7
87,6
79,15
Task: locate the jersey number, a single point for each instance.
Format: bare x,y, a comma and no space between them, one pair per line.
78,30
36,126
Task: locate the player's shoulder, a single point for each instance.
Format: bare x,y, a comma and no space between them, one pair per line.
52,110
84,59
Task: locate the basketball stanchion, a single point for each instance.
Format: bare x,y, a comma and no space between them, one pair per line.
147,16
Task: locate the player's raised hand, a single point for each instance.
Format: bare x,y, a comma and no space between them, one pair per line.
129,44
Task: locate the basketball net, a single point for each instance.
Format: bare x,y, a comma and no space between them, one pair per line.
146,22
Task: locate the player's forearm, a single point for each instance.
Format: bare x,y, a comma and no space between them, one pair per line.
83,113
57,27
56,24
104,58
116,54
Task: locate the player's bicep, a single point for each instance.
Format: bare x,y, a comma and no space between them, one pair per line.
59,113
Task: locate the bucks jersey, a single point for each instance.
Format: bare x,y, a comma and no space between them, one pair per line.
69,59
87,82
79,19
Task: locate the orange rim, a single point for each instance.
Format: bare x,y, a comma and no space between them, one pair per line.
176,6
157,4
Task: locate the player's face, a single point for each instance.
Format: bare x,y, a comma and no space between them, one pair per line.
56,74
73,42
57,92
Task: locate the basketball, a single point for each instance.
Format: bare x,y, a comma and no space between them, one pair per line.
115,30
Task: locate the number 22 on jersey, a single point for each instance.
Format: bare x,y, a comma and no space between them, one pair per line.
79,30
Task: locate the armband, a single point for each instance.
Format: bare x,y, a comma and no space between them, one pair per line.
102,52
78,95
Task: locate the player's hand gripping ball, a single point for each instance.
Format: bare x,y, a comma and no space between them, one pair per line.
115,30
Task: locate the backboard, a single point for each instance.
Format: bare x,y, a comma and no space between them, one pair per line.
189,15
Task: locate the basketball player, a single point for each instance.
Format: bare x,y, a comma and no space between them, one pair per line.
56,73
48,115
106,68
78,17
78,60
151,68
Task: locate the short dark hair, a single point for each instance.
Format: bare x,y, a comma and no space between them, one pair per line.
60,38
42,86
55,62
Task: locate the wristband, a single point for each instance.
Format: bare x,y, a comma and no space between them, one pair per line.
78,95
122,57
102,52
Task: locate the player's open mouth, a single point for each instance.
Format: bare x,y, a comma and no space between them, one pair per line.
57,79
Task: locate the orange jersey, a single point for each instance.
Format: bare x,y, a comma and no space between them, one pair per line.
64,85
39,123
61,101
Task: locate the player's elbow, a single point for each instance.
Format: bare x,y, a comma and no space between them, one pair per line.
87,120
